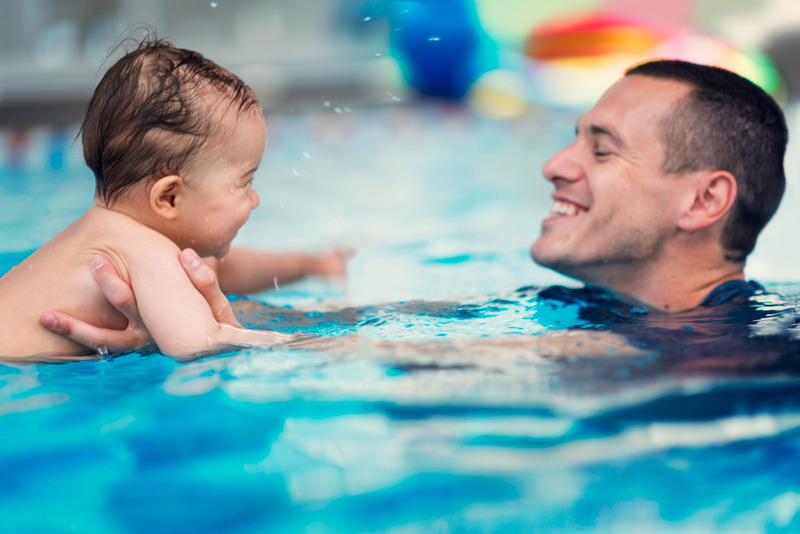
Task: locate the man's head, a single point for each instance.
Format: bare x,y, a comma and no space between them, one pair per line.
726,122
655,169
152,113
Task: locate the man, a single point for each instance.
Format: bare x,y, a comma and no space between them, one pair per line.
659,200
672,175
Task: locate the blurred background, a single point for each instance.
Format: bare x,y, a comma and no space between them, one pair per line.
500,55
416,125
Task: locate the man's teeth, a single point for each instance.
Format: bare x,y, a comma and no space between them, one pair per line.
563,208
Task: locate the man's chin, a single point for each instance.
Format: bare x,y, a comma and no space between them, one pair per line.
560,263
539,254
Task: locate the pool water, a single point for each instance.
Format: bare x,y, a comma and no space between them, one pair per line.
698,433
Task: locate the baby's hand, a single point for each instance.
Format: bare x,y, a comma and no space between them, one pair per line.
331,264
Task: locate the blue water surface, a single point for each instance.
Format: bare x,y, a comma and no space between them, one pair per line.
696,431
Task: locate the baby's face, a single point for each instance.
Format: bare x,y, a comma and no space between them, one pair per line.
219,188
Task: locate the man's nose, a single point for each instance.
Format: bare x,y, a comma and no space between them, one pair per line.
563,165
254,199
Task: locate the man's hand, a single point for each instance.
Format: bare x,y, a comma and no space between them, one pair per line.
120,295
205,280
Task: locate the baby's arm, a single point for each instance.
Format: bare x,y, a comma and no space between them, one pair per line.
244,271
177,316
120,295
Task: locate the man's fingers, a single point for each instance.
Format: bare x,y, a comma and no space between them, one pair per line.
205,280
55,322
118,293
91,336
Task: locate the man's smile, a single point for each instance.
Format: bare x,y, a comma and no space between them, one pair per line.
564,208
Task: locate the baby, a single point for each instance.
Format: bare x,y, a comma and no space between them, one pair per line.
173,140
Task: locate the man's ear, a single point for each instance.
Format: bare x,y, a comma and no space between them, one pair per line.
166,195
713,197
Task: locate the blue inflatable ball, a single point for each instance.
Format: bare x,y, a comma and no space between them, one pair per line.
436,43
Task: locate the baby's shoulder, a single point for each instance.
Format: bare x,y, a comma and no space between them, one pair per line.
126,241
108,222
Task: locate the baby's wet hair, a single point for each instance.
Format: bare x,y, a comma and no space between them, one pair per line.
152,112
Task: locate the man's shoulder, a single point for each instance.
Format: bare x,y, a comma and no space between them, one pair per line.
732,291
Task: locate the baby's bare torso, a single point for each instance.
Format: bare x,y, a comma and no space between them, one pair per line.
58,276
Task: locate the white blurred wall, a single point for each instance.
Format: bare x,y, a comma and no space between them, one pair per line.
51,51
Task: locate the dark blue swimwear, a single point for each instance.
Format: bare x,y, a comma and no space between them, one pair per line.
730,291
739,328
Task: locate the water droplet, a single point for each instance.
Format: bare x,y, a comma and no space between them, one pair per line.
338,110
295,172
347,110
393,96
281,204
103,355
327,104
275,281
306,155
214,4
377,54
367,19
434,38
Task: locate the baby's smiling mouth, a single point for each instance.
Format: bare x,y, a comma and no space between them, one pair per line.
568,209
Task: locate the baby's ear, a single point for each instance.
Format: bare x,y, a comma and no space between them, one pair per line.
165,196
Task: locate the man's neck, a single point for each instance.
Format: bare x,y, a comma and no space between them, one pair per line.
677,279
675,289
678,295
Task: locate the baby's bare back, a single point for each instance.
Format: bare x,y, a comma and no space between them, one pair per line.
58,276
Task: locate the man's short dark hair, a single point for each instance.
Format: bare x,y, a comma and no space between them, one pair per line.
151,113
726,123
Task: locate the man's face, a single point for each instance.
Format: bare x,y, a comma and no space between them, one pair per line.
613,208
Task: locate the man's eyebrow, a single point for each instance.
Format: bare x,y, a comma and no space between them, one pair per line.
596,130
